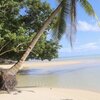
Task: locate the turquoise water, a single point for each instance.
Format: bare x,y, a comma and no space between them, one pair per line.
81,76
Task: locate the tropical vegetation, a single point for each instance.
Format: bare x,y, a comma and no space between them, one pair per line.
66,15
19,22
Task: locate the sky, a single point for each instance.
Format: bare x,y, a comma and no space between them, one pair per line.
87,36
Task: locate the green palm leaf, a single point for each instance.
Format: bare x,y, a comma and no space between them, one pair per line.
66,19
87,7
60,25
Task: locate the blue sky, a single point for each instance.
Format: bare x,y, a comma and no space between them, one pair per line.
87,36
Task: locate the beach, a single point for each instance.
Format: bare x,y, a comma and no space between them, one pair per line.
49,93
41,64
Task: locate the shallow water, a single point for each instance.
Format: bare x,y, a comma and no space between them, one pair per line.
80,76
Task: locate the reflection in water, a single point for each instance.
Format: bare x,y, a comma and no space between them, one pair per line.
76,76
39,80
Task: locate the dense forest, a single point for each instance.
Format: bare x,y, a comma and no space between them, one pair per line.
19,22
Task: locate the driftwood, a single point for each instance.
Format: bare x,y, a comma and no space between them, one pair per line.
7,81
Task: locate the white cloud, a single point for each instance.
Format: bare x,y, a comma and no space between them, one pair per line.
62,50
88,46
85,26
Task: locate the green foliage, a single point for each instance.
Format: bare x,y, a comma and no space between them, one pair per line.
66,18
47,50
17,29
87,6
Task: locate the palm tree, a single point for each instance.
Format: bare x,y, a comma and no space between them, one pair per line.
66,12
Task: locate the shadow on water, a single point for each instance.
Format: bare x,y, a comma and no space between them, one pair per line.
56,70
73,76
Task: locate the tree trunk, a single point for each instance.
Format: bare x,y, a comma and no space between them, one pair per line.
14,69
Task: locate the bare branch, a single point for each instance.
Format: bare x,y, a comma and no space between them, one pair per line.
4,45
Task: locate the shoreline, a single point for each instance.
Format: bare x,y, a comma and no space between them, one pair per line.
51,64
50,94
43,64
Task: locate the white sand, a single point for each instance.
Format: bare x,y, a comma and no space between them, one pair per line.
50,94
43,64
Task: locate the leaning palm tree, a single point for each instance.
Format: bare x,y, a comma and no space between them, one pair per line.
66,18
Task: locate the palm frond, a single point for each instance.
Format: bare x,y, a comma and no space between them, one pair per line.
66,21
60,26
71,34
87,7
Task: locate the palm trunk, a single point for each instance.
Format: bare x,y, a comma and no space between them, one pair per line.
14,69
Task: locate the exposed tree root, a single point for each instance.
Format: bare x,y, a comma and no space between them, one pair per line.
7,82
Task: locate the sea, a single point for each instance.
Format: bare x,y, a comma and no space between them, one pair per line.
85,75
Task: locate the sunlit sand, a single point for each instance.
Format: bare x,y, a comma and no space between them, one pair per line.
50,94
